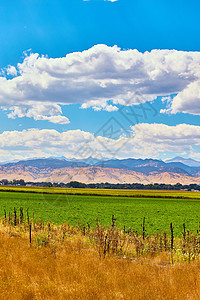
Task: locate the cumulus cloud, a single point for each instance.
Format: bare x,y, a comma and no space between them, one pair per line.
146,140
39,111
11,70
188,100
161,137
100,74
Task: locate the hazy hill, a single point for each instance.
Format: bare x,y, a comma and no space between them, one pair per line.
96,171
187,161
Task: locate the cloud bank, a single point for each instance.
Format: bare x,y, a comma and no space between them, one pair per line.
147,140
95,76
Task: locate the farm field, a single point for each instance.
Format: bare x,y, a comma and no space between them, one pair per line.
111,192
158,212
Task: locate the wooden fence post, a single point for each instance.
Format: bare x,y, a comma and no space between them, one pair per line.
172,241
113,221
143,229
33,220
30,233
184,236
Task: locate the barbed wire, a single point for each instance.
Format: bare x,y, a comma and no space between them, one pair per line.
128,257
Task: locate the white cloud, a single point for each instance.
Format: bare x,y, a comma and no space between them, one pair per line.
11,70
187,101
102,73
155,140
39,111
166,99
148,140
55,119
168,137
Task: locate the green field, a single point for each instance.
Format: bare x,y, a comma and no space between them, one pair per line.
159,212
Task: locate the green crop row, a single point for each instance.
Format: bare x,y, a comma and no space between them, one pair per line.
129,212
107,192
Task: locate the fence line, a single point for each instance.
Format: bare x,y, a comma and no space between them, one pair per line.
109,240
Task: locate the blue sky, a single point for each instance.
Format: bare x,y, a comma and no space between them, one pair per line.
52,104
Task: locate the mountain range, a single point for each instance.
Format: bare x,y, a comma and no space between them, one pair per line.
187,161
91,170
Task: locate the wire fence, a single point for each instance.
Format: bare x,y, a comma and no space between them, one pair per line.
108,240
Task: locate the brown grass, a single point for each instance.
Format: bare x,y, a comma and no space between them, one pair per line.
70,272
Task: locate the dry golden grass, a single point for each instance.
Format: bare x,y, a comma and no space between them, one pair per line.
67,273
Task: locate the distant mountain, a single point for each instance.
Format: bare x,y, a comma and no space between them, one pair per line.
8,162
147,166
187,161
130,163
44,163
61,169
93,175
91,161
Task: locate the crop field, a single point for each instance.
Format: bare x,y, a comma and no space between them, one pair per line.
128,211
106,192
